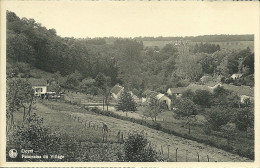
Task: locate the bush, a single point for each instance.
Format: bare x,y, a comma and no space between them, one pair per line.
203,98
185,107
218,116
33,135
137,149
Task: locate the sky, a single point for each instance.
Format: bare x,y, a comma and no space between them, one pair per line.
81,19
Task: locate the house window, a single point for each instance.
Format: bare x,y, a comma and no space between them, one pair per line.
38,89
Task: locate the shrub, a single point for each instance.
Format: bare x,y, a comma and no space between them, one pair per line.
33,135
185,107
218,116
137,149
203,98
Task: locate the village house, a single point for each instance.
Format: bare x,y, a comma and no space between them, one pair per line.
176,91
116,91
236,76
39,86
213,85
206,78
193,87
159,96
244,92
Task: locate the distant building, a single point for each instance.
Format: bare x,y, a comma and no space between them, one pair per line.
193,87
206,78
236,76
213,85
176,91
39,86
116,91
159,96
244,92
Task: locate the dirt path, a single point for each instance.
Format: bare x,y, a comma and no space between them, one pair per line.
187,150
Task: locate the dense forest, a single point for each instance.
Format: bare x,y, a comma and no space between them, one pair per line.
204,38
85,61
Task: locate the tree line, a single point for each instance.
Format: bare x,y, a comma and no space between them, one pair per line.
124,60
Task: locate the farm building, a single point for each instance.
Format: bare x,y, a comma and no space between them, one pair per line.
213,85
193,87
116,91
176,91
39,86
159,96
206,78
244,92
236,76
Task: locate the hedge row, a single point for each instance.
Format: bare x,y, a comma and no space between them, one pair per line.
157,126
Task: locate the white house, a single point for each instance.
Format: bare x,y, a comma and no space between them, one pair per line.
236,76
39,86
159,96
164,99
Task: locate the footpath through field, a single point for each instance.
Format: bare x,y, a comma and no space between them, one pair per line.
188,150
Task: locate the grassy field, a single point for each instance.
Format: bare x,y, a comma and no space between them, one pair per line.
73,122
240,142
154,136
91,143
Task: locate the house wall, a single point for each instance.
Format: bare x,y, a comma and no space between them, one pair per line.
168,101
178,95
36,91
244,97
169,92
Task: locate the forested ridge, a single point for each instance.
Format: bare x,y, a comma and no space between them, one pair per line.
123,60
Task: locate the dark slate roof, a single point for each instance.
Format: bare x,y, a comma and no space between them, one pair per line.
195,87
178,90
116,89
37,82
240,90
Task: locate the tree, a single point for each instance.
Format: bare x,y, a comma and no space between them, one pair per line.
245,119
232,64
100,80
202,97
218,116
185,107
249,62
154,109
137,149
19,95
189,94
126,102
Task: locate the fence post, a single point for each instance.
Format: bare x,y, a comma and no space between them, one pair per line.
208,157
186,156
176,155
168,153
198,156
122,137
162,149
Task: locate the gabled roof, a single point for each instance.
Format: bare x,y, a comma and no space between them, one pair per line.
37,82
159,96
116,89
195,87
212,84
240,90
178,90
151,94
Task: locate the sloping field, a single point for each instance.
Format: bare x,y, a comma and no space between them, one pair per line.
187,150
